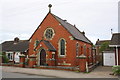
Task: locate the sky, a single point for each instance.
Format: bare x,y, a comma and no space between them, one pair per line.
20,18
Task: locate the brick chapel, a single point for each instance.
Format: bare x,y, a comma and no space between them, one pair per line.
56,42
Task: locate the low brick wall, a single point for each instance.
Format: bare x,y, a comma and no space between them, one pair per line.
59,68
9,64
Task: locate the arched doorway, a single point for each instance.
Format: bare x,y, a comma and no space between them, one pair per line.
42,57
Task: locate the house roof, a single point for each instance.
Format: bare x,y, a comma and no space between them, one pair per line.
115,39
73,30
49,45
20,46
70,28
100,42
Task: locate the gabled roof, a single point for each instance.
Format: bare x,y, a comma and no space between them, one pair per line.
48,45
115,39
73,30
70,28
20,46
100,42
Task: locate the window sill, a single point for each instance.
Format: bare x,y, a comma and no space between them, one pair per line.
61,56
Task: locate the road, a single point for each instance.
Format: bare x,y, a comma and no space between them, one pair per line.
20,75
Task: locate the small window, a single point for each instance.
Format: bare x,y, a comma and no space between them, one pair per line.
90,52
10,56
84,49
81,49
36,43
77,49
53,56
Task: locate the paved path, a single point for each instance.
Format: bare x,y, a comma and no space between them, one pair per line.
99,72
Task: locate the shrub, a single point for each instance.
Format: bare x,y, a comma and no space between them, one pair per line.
4,58
116,70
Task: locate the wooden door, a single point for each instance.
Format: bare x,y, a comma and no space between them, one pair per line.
42,57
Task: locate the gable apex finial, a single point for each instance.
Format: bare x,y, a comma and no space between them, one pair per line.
50,5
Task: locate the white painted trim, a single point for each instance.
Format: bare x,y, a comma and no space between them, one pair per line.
9,52
59,55
52,35
12,55
114,45
71,38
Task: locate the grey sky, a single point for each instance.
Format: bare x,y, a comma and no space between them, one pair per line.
20,18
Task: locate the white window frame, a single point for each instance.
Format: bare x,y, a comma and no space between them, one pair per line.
11,54
59,48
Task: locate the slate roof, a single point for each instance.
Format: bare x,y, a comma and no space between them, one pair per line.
100,42
73,30
49,45
20,46
115,39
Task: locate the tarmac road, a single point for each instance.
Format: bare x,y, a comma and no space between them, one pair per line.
99,72
20,75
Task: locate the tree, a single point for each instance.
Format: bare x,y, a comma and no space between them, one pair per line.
104,46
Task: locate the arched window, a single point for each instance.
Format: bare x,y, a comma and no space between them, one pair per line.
62,47
85,49
36,43
77,49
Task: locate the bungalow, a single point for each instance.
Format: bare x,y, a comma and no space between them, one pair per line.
12,49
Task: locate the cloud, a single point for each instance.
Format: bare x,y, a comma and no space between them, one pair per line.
95,17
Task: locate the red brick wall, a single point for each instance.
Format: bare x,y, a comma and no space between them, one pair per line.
60,32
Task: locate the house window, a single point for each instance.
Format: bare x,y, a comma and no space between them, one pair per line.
49,32
36,43
53,56
10,56
81,49
62,47
84,49
77,49
90,52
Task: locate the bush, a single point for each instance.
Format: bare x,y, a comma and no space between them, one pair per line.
4,58
116,70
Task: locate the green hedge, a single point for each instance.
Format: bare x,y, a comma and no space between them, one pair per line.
116,70
4,58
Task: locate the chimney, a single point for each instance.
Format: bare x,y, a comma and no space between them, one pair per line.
65,20
74,25
83,33
98,40
16,40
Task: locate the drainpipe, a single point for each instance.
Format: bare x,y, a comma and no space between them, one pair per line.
117,54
